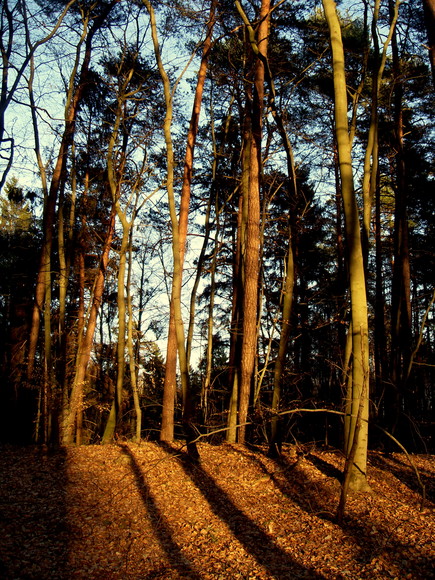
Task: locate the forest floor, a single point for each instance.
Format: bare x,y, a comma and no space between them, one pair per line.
145,512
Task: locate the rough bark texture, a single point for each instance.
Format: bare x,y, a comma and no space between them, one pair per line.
252,245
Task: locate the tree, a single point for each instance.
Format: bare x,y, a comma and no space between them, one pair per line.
429,15
357,400
167,430
76,89
252,158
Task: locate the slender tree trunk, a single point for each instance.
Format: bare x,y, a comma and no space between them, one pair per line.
287,304
401,329
74,97
371,158
429,15
130,346
356,440
167,429
85,341
207,384
116,409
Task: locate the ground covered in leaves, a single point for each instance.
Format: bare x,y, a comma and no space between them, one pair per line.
146,512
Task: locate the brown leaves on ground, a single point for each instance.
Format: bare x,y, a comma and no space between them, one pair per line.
146,512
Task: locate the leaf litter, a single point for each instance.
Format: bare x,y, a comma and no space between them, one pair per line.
144,511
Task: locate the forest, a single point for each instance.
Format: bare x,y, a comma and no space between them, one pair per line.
217,224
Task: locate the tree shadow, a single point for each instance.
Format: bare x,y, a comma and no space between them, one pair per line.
326,468
293,483
161,528
371,536
404,472
255,541
34,530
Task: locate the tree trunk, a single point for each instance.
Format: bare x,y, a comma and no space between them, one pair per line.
429,16
356,440
401,331
252,244
236,324
167,429
116,409
86,339
130,346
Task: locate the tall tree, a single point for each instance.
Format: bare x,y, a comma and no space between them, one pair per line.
77,85
167,430
401,315
251,208
429,15
357,402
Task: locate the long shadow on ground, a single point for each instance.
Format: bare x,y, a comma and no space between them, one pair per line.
161,528
406,557
314,499
255,541
403,471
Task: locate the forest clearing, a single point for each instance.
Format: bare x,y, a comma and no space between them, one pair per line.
144,511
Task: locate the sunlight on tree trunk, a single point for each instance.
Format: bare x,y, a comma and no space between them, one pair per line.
176,329
429,15
359,392
251,257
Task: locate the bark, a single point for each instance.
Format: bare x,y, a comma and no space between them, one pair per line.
358,397
73,100
252,245
401,331
85,341
173,345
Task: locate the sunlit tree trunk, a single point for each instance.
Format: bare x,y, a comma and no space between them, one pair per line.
356,439
429,15
174,333
251,256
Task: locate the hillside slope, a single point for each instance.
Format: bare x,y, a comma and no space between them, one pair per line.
144,512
